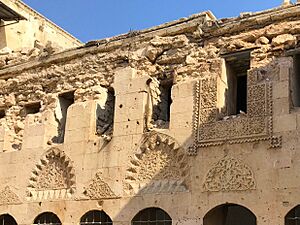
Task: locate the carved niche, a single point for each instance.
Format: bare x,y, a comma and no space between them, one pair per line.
229,174
159,165
53,177
99,189
255,125
8,197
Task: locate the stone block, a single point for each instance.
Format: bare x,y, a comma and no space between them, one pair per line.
77,135
182,90
284,72
281,106
180,105
285,123
281,90
130,106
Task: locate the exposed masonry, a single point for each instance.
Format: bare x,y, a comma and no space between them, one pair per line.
154,118
183,50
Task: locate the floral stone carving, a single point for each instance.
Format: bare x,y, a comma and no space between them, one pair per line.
53,177
159,165
98,189
255,125
8,197
229,174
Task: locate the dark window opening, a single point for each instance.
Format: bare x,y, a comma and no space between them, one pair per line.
32,108
293,217
295,82
237,66
105,115
152,216
65,100
162,101
2,113
95,217
47,218
229,214
7,220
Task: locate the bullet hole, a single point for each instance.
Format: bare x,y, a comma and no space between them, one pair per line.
121,106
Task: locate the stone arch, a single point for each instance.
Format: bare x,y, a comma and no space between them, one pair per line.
229,174
96,217
229,213
47,218
6,219
53,177
158,165
153,215
293,216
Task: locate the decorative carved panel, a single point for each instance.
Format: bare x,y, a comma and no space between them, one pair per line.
229,174
8,197
159,165
52,178
99,189
257,124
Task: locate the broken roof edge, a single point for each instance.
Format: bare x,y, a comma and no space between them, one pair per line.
13,4
171,28
251,20
206,15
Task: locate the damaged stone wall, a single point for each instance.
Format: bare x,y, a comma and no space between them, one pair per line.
186,54
259,146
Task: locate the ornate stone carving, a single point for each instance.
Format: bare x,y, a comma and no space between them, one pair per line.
159,165
53,177
255,125
99,189
8,197
276,142
229,174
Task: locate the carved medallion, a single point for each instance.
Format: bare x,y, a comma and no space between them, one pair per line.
159,165
229,174
53,177
8,197
99,189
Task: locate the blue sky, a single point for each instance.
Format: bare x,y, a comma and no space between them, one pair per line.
97,19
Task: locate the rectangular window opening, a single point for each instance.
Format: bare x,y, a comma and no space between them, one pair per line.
295,82
2,113
32,108
105,115
237,66
162,110
65,100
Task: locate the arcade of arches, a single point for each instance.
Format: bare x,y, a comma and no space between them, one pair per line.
225,214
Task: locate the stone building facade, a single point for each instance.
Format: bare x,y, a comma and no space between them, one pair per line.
191,122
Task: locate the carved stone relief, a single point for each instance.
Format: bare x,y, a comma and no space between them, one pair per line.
229,174
255,125
99,189
159,165
8,197
52,178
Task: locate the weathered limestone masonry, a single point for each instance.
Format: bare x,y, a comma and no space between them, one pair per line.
32,37
198,117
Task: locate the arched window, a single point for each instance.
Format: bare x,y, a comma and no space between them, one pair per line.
95,217
152,216
293,216
47,218
7,219
229,214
